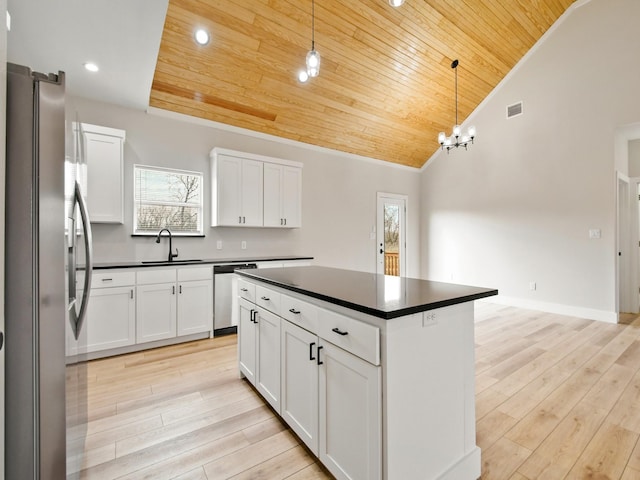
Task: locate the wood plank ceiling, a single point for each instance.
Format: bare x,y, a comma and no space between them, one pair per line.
386,87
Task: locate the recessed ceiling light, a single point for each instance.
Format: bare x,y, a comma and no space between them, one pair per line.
202,36
92,67
396,3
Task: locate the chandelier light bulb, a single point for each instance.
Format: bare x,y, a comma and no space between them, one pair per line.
457,131
396,3
442,137
303,76
472,131
313,63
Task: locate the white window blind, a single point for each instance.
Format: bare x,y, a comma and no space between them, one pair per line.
167,198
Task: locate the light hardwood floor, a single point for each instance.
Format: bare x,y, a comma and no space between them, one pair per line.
556,397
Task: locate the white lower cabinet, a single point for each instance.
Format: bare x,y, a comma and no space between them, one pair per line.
329,397
156,312
300,383
110,321
350,414
259,350
195,300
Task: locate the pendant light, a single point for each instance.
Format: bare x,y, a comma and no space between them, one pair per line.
456,139
313,57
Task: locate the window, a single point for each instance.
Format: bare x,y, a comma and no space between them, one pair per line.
167,198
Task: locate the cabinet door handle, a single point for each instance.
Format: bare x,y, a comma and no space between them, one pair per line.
244,219
132,294
254,316
285,221
244,290
173,290
294,311
320,362
311,357
239,219
180,289
266,299
339,332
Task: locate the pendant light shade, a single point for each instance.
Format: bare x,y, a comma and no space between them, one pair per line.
313,63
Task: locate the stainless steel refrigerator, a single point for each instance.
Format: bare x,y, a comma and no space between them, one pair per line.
41,241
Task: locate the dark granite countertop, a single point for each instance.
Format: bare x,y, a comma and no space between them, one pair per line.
382,296
209,261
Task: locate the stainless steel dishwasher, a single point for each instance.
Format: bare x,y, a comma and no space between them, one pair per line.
223,323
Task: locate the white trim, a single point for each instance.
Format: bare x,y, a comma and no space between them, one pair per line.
557,308
545,36
252,156
273,138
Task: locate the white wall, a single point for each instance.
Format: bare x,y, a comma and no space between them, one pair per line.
517,207
339,194
634,158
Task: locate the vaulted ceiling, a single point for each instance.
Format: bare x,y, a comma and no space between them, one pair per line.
386,86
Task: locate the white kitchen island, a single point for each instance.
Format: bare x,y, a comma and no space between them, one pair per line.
374,373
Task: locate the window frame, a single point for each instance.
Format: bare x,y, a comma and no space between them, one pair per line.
169,203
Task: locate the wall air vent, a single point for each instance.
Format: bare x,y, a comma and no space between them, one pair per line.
514,110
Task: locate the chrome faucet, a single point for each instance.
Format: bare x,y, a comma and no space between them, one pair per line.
171,254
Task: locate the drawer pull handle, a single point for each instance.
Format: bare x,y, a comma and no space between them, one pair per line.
339,332
311,357
294,311
266,299
107,279
244,290
320,362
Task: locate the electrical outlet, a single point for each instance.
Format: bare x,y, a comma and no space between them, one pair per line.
219,244
243,245
595,233
429,319
532,285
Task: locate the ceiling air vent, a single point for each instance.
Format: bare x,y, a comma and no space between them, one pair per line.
514,110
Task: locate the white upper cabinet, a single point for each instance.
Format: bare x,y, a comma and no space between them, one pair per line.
236,194
282,196
249,190
104,154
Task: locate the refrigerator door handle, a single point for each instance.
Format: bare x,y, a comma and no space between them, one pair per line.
86,227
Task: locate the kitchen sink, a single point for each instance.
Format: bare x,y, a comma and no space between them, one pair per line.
173,262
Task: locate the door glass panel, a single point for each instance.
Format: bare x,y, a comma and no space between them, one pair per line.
391,239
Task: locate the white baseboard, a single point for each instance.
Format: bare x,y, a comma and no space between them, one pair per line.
468,468
560,309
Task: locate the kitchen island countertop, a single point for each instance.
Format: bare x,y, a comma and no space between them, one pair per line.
382,296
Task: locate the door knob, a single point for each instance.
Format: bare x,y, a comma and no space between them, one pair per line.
381,251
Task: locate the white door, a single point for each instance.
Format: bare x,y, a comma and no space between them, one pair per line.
247,340
300,383
195,306
268,368
350,415
292,196
229,184
155,312
110,321
252,188
272,195
391,244
623,266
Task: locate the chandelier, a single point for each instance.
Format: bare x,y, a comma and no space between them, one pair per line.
457,139
313,57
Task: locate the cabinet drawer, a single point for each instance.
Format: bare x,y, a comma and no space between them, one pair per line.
102,279
268,299
299,312
187,274
359,338
247,290
150,276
